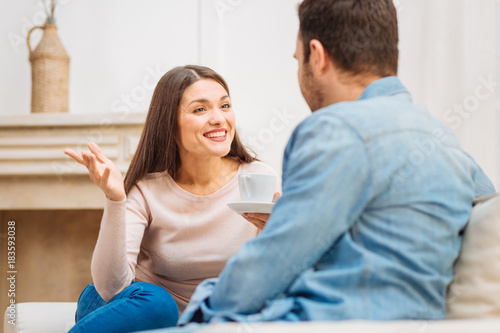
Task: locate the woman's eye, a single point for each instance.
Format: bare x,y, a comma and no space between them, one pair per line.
226,106
197,110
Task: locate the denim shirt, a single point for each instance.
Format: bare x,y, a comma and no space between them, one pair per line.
376,194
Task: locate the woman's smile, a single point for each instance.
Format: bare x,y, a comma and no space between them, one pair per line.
218,135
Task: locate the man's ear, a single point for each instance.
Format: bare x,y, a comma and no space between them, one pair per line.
319,59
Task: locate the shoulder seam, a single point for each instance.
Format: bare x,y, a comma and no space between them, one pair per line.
356,132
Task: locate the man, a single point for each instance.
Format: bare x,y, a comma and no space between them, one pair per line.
376,192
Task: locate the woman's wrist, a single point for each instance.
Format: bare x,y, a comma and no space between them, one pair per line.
118,198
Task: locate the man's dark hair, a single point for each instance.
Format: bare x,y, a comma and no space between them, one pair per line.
360,36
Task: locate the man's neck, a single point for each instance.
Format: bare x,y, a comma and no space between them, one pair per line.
346,89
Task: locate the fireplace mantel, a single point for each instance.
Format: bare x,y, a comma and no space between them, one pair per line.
36,174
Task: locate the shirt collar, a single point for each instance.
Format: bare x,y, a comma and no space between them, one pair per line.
385,86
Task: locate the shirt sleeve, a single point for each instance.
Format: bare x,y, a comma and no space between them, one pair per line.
327,182
483,185
118,244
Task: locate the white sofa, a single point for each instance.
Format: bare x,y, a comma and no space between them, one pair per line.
473,298
41,317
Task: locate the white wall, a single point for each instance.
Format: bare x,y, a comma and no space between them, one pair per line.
448,62
113,45
120,48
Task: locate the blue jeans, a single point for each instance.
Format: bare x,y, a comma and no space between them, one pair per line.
140,306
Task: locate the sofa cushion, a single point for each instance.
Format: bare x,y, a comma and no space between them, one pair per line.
41,317
348,326
475,289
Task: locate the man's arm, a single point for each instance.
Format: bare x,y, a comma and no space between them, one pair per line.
326,185
483,185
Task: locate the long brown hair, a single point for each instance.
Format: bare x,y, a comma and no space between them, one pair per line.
157,150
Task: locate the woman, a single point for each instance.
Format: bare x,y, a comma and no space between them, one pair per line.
167,227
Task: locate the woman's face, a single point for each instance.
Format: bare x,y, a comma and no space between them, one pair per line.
206,120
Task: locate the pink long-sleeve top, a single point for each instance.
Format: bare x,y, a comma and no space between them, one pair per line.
165,235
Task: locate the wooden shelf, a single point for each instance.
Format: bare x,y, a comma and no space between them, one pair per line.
36,174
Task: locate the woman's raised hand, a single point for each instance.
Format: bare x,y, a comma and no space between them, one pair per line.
102,171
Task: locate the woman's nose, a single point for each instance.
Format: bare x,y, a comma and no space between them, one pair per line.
217,118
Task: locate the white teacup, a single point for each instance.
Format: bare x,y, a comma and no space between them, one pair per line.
257,187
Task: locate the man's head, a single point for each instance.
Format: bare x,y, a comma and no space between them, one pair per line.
357,39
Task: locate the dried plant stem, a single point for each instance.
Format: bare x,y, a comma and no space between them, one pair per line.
50,7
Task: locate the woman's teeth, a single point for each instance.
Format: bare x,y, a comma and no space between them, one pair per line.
215,134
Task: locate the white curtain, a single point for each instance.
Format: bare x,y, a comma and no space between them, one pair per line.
447,61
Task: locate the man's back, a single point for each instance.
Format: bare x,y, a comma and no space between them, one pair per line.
397,257
375,196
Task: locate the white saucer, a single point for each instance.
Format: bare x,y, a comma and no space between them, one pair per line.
251,207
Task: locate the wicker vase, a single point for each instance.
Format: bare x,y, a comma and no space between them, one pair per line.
49,71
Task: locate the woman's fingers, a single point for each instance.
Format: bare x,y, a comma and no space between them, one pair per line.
96,165
102,171
86,159
94,148
258,216
255,221
81,158
105,175
93,168
276,196
73,154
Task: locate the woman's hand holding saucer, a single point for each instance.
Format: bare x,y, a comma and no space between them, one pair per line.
102,171
259,219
